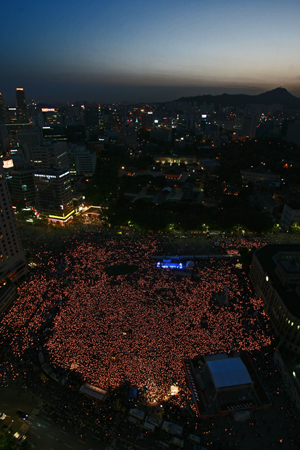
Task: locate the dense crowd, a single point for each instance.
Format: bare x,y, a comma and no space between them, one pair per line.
135,327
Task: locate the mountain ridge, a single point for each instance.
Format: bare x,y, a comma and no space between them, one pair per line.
279,95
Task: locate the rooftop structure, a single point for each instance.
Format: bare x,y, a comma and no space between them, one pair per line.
228,373
220,383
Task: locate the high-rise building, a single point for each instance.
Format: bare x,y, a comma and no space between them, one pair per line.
52,181
82,161
54,199
249,124
91,116
51,116
4,138
11,115
50,154
12,260
22,106
21,184
2,110
28,139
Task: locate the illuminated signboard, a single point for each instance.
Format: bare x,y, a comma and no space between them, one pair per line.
8,163
168,264
64,174
48,109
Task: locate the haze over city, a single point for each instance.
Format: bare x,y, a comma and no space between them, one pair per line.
148,51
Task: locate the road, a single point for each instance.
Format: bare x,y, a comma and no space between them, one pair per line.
42,431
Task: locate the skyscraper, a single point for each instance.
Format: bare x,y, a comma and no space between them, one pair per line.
50,154
22,106
2,111
54,200
4,138
12,260
249,124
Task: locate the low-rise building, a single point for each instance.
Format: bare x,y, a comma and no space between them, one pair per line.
290,214
260,174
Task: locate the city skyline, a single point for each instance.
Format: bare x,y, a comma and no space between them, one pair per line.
156,51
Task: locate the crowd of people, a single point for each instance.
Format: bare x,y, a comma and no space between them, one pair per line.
136,327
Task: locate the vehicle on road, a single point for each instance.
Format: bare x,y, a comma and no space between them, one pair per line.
19,437
22,414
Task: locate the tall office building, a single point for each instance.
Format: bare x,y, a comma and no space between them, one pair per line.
12,260
82,161
2,110
50,154
22,106
249,124
54,200
21,184
4,138
28,139
51,116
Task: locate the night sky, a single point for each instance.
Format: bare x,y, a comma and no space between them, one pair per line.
144,50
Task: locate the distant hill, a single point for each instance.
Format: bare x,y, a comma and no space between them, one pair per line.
276,96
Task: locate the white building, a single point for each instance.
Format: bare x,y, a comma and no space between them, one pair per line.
290,214
82,161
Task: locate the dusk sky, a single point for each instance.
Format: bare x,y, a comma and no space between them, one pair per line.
117,50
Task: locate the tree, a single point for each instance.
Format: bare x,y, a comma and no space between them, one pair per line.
8,442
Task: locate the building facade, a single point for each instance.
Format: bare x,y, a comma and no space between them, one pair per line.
82,161
22,112
54,200
260,175
275,274
290,214
21,185
50,154
12,260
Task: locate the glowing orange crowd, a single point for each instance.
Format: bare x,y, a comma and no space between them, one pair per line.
136,327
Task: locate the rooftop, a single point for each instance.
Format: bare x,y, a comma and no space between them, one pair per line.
229,372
